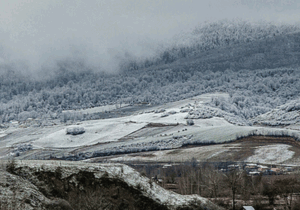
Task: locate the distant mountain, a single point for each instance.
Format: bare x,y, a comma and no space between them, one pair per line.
258,65
230,45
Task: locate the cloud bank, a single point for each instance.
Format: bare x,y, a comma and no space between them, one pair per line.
35,34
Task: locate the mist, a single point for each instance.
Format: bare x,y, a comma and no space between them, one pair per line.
35,35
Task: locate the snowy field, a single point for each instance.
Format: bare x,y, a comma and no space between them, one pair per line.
2,134
271,154
160,128
106,108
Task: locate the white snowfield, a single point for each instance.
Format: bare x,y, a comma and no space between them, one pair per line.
132,134
106,108
271,154
98,131
2,134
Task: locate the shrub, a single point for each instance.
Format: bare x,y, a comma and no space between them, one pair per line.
190,122
11,165
75,130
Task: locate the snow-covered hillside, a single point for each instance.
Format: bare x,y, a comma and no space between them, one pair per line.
284,115
271,154
154,128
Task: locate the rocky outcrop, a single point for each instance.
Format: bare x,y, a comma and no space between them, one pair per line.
79,185
18,193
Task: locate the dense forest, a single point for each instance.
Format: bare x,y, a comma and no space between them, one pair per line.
257,64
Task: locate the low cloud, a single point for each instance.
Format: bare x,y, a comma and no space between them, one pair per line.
35,34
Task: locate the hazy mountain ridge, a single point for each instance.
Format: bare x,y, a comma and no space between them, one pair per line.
215,35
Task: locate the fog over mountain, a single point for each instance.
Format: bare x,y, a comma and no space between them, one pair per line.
35,35
66,55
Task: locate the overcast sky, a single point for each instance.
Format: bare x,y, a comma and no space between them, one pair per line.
40,32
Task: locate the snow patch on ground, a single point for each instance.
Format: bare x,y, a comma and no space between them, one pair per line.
271,154
100,131
106,108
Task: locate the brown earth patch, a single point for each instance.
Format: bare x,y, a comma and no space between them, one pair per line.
269,139
151,127
146,155
238,150
249,144
174,152
160,125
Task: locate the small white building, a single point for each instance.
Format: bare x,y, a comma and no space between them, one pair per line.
254,173
248,208
167,166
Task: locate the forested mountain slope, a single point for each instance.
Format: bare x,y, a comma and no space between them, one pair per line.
257,64
238,35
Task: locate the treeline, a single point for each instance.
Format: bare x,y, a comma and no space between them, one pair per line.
251,92
228,184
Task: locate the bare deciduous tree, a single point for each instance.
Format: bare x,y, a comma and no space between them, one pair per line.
214,179
233,181
286,187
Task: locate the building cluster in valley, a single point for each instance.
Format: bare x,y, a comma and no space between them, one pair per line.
254,169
